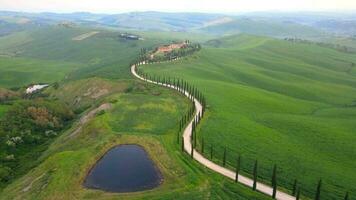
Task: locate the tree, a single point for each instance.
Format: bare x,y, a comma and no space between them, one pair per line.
211,152
238,165
274,181
346,196
255,176
224,157
192,151
318,190
202,145
295,184
298,194
182,144
180,125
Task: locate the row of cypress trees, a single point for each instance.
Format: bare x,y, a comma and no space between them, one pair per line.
296,191
188,90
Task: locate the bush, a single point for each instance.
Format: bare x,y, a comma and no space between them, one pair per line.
5,173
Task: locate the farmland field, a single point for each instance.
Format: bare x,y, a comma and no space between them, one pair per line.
280,103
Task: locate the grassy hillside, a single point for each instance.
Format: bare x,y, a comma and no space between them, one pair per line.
3,109
17,72
50,54
280,103
135,116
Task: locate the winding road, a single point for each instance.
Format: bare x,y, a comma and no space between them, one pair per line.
268,190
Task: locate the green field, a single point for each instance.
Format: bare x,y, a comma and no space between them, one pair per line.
17,72
281,103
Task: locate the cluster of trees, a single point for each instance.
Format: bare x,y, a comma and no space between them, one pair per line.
338,47
188,49
24,130
7,95
177,53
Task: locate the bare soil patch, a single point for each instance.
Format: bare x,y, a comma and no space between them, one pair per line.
85,36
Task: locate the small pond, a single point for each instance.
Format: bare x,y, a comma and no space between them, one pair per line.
125,168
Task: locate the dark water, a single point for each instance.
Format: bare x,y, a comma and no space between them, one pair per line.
125,168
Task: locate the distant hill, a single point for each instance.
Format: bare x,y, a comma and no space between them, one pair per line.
261,27
135,20
303,24
160,21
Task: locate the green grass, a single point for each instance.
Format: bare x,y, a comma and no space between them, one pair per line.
17,72
3,109
287,104
63,167
84,93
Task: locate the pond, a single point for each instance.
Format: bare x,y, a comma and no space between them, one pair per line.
125,168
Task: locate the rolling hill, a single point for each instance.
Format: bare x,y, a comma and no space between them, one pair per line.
262,27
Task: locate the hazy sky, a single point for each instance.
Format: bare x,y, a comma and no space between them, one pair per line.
116,6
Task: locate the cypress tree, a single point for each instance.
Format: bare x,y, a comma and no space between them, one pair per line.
224,157
318,190
298,194
202,145
180,125
346,196
182,144
255,176
192,136
294,191
238,165
195,138
211,152
274,181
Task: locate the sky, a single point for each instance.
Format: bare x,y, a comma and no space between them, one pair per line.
216,6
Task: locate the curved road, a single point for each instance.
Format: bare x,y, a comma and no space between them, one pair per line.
206,162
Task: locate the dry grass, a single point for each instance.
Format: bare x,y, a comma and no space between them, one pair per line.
85,36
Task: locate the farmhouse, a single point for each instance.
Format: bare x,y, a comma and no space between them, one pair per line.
171,47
